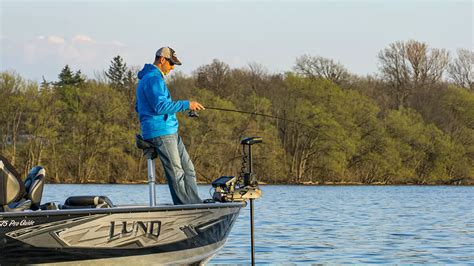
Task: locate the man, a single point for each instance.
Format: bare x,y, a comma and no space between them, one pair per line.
156,110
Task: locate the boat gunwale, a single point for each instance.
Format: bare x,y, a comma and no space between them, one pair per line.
123,209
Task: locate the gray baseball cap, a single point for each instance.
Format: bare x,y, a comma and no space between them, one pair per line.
169,54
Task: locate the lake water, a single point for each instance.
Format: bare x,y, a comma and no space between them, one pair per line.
334,224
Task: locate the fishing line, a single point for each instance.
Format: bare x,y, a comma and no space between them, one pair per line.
194,114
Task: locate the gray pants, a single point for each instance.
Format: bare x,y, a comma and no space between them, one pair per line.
179,169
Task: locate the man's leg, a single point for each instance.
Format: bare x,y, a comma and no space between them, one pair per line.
189,173
167,148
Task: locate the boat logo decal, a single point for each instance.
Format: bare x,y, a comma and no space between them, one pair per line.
149,229
14,223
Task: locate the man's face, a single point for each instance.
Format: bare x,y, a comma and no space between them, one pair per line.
166,66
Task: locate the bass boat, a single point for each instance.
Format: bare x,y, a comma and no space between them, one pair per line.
91,229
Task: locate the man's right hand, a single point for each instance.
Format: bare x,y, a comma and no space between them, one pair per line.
195,106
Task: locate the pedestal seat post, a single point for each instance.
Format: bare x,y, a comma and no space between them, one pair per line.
150,154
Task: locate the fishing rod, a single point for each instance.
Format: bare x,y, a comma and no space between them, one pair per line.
195,114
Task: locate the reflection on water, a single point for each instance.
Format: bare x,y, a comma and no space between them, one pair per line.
334,224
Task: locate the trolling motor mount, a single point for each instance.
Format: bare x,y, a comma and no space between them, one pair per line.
245,187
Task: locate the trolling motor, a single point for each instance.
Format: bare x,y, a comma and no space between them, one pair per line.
245,187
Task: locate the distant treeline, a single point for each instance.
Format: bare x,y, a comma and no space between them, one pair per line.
411,123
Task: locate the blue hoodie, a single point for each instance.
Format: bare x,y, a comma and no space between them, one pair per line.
154,105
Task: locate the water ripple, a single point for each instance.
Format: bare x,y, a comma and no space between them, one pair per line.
335,224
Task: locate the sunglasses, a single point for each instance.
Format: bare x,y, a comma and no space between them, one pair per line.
169,61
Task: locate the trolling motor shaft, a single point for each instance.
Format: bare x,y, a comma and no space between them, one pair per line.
253,191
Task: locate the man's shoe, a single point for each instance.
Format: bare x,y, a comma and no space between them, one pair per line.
208,201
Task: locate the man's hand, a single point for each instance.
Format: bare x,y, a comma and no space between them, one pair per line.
195,106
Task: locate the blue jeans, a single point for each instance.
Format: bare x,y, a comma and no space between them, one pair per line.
179,169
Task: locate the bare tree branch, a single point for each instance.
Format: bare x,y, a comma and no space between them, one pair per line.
461,69
407,66
320,67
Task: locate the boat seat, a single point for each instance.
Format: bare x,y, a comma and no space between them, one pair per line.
17,206
16,195
12,189
87,202
34,184
148,148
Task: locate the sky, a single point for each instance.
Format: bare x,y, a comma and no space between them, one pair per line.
38,38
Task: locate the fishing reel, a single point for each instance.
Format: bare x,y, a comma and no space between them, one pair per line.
242,188
193,114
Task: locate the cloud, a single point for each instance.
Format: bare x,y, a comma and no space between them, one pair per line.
82,38
78,49
54,51
55,40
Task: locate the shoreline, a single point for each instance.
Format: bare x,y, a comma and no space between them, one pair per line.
469,183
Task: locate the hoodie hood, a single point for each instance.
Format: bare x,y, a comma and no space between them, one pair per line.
148,68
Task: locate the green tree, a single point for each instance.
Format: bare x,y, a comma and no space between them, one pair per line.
68,78
83,131
427,154
117,73
319,153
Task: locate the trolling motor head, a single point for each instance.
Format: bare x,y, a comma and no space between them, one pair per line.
251,141
245,187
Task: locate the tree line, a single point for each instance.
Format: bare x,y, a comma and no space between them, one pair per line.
411,123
